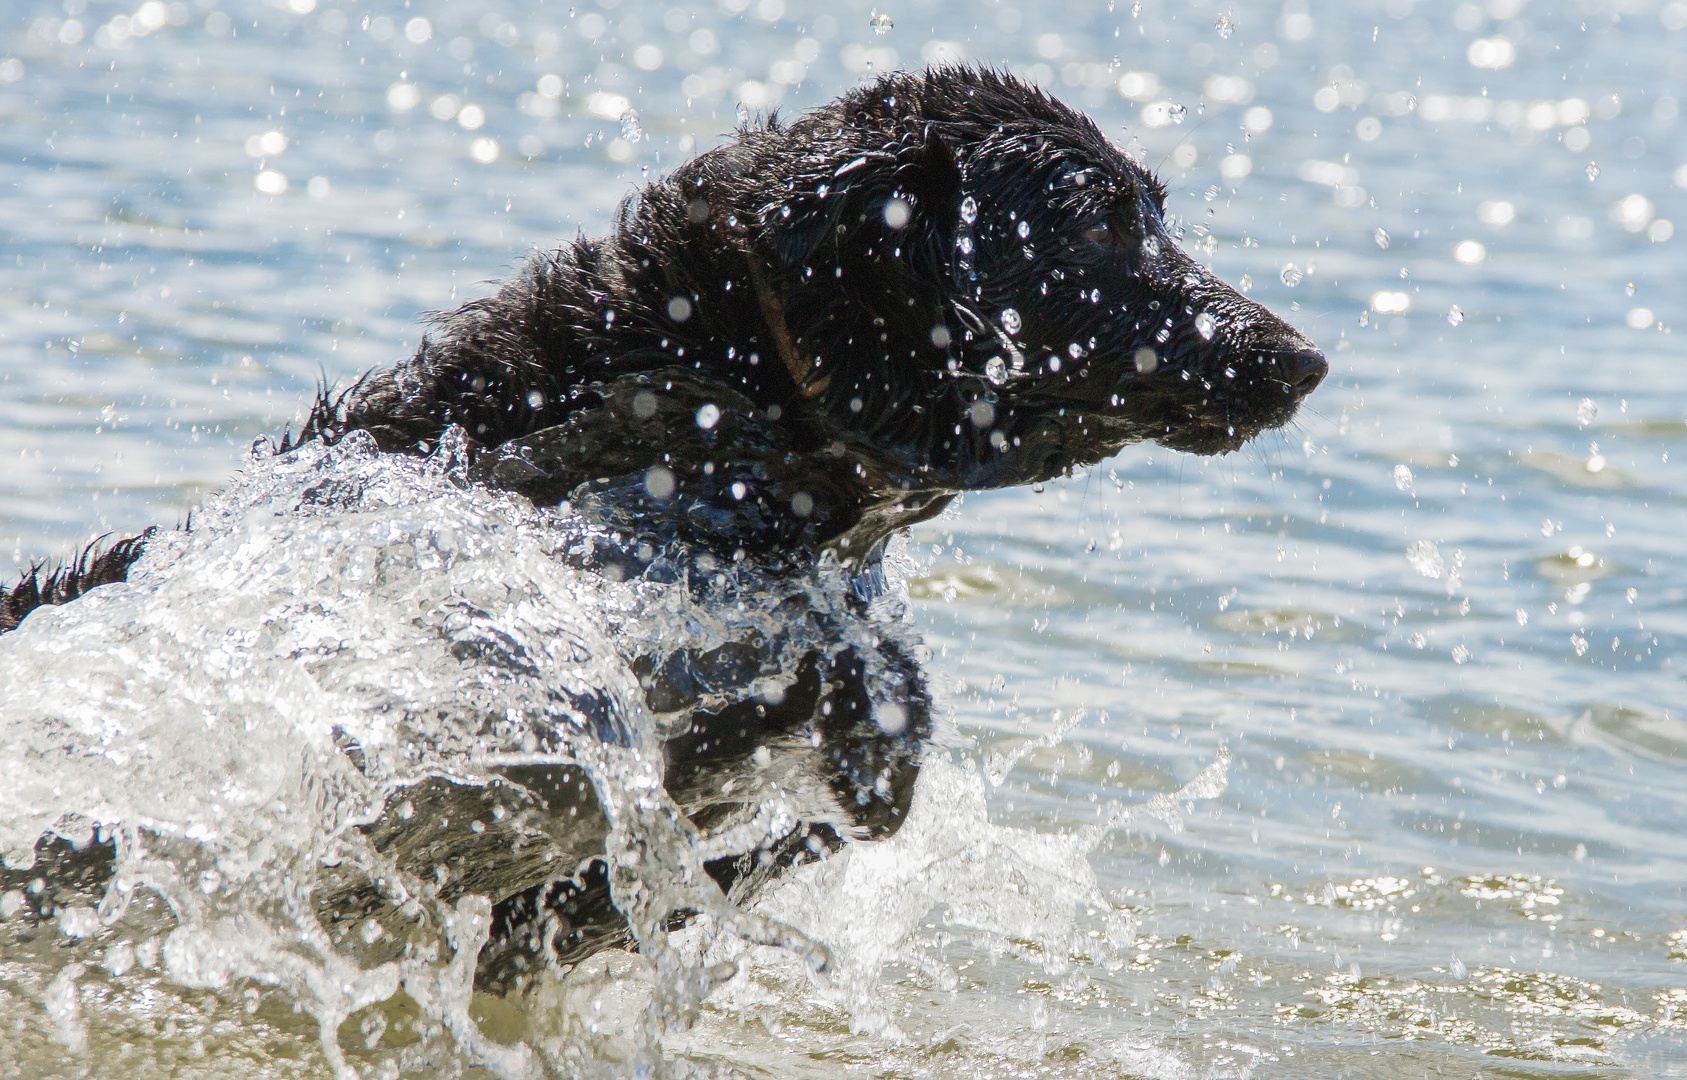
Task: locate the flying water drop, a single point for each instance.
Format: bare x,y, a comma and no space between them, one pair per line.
996,370
1592,170
629,126
969,209
1586,410
1426,559
1290,275
1381,237
1225,26
880,22
1402,477
1012,323
1205,325
1455,315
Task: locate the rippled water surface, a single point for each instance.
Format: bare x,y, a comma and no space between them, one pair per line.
1435,626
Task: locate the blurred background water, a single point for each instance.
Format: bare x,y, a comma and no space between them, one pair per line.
1436,623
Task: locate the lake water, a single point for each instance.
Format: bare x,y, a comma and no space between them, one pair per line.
1435,626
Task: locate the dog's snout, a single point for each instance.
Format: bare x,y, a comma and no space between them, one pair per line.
1303,369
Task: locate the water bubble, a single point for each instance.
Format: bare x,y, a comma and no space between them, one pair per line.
880,22
969,209
1470,252
1205,324
1426,558
1024,231
1290,275
708,416
1247,283
659,482
1011,322
1381,237
1455,315
1592,170
996,370
1586,410
1391,303
1224,26
629,126
1402,477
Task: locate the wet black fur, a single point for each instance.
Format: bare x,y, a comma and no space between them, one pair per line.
62,584
977,288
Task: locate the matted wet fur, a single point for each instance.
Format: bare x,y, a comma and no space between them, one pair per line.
797,344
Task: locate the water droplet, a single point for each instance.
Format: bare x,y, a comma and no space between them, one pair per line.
1592,170
996,370
1381,237
1011,322
969,209
1024,231
535,399
1402,477
880,22
1586,410
1205,324
708,416
1425,558
1630,289
1461,654
1290,275
1146,360
1247,283
629,126
1457,970
1365,317
1455,315
1176,113
966,245
1224,26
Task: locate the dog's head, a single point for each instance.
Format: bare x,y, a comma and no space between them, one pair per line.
961,244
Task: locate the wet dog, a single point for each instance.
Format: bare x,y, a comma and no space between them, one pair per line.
791,348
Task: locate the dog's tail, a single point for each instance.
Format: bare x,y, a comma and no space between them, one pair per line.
42,587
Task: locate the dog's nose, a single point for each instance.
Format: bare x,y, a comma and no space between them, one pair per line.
1303,369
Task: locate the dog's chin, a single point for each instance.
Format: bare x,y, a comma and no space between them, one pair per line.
1207,441
1209,438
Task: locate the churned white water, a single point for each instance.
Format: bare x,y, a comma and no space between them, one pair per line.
1429,637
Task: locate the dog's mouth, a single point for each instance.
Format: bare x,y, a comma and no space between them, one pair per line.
1207,415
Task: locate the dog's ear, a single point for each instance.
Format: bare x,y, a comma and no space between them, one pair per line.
929,172
922,166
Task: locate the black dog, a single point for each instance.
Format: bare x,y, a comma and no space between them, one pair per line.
794,346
